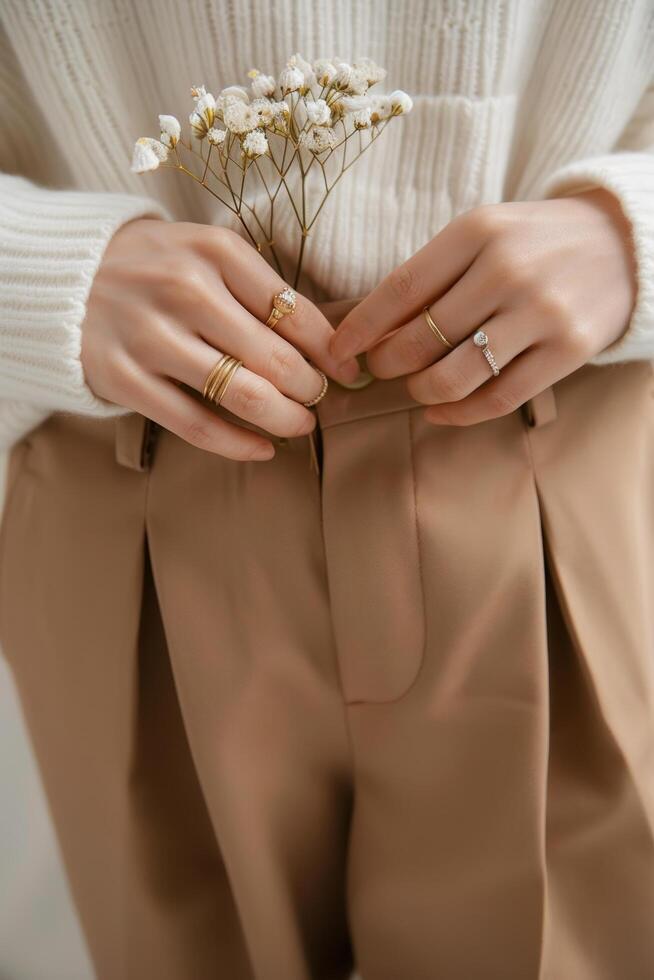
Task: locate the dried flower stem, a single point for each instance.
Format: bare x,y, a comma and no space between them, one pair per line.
290,125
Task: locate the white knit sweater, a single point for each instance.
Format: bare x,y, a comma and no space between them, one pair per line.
514,99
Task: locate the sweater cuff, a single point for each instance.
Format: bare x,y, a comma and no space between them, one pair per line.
630,178
51,245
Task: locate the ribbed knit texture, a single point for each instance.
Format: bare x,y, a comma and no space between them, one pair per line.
514,100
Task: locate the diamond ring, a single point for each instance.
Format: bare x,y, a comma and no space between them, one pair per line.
481,340
284,303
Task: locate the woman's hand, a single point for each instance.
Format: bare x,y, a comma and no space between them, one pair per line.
167,301
552,283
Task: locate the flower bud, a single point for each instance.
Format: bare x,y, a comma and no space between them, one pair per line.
170,130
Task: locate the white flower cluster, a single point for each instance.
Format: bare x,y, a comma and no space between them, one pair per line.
302,105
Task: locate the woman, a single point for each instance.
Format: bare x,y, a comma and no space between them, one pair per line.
396,712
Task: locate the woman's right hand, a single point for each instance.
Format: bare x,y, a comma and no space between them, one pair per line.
167,301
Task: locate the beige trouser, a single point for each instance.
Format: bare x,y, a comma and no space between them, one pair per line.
397,713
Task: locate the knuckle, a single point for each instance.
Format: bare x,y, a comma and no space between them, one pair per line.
415,347
219,239
505,261
563,324
183,283
449,384
404,283
486,220
447,417
143,339
198,434
502,402
577,340
249,398
108,378
217,235
550,307
282,362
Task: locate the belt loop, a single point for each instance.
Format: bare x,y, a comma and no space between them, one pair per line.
135,438
541,409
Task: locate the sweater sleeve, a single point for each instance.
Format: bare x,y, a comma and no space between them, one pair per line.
51,244
629,175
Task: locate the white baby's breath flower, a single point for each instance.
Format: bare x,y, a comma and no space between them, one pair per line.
372,72
280,109
197,91
264,110
355,103
317,139
358,82
381,108
197,125
216,136
291,79
255,144
362,118
206,107
308,74
325,71
233,92
202,117
239,117
318,112
148,154
343,75
281,113
170,130
401,103
349,79
263,86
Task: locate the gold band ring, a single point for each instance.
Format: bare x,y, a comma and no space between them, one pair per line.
323,391
434,329
284,303
219,378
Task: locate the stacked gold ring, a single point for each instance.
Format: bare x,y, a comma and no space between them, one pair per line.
219,377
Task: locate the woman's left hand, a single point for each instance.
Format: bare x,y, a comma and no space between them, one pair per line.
552,283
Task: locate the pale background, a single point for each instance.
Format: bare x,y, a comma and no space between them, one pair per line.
39,935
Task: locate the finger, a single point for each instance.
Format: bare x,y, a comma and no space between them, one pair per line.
524,378
254,284
465,368
409,287
164,402
235,329
208,310
469,302
249,395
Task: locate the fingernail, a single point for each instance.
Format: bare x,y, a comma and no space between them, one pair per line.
264,452
349,371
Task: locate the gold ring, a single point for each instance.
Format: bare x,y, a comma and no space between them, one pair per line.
434,329
219,378
284,303
323,391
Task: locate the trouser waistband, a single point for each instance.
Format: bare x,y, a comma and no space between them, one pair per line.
136,434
